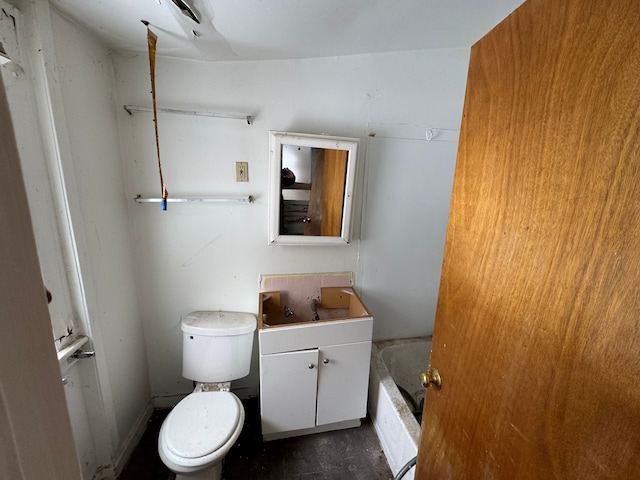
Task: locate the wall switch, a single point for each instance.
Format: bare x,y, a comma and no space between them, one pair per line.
242,171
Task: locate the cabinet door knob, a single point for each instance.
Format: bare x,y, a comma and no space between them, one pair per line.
311,366
325,361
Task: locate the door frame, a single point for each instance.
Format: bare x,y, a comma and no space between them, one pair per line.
36,54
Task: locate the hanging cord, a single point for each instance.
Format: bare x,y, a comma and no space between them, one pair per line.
152,38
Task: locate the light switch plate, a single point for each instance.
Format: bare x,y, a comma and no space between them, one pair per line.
242,171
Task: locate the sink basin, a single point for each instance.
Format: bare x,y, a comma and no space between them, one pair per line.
335,303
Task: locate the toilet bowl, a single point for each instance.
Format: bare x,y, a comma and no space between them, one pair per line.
198,433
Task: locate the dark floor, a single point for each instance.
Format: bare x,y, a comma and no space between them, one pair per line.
353,454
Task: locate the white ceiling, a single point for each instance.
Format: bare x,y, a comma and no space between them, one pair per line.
288,29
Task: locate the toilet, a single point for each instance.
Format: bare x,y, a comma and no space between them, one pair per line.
202,427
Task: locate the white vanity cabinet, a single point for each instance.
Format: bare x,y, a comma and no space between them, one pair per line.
314,376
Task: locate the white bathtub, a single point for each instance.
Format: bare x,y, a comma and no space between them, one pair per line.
397,362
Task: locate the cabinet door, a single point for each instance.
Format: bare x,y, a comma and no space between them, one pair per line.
288,390
343,381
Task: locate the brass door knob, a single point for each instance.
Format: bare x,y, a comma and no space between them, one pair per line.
432,377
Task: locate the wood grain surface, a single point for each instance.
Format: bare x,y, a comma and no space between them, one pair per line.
537,333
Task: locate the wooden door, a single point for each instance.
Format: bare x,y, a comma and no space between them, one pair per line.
537,333
327,194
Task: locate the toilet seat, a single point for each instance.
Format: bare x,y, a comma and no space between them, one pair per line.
201,429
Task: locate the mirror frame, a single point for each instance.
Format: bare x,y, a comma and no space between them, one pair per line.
276,141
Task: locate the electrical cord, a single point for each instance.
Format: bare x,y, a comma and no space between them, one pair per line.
405,469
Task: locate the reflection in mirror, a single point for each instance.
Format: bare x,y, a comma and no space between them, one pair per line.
311,188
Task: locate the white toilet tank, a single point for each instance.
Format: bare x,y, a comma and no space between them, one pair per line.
216,346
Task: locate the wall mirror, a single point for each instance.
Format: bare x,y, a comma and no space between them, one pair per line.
311,185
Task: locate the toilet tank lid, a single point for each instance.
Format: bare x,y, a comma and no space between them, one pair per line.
219,324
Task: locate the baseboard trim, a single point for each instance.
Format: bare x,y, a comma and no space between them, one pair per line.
308,431
168,401
122,455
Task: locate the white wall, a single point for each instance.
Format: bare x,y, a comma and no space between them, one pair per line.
210,256
100,217
409,187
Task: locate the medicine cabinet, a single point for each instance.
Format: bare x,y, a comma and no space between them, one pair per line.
311,188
